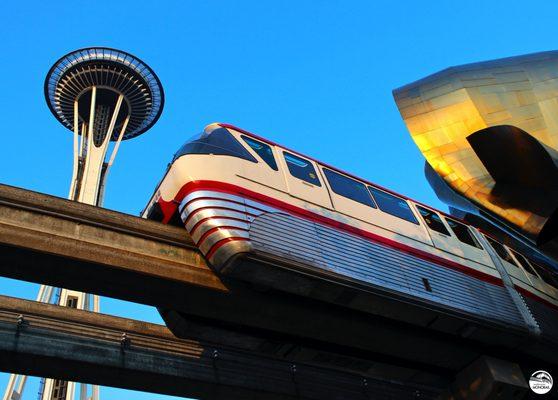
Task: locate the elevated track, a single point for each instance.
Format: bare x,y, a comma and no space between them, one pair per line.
282,339
61,342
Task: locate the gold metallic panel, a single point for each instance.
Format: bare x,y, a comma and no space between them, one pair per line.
443,110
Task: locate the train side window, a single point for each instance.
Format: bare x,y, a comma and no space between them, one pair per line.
524,263
545,274
301,169
502,252
263,150
433,220
393,205
463,233
347,187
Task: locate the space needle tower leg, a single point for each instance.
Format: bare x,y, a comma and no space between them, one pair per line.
94,92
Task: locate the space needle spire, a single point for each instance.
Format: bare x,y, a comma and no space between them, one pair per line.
104,96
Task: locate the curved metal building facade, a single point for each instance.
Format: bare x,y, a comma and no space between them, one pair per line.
490,132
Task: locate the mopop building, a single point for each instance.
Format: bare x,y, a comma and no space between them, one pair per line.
489,133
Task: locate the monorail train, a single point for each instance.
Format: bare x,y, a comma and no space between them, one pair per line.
265,214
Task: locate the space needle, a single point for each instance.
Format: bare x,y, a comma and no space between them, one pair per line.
104,96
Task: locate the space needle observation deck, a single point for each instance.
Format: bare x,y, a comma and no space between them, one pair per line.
103,95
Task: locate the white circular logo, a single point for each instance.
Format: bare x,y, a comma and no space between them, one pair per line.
540,382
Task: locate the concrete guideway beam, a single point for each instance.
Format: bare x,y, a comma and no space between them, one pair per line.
50,226
61,342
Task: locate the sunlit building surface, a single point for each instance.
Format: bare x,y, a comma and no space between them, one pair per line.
489,133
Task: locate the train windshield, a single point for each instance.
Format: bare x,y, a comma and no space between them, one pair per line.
217,142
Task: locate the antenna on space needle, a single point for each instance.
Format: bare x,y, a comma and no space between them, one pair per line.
103,95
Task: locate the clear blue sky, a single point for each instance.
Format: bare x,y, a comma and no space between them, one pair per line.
315,76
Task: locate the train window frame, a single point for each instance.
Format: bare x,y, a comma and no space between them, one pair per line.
267,155
346,193
527,267
219,142
386,195
509,258
297,161
546,275
463,228
428,223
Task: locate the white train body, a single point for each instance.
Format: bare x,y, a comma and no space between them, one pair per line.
269,215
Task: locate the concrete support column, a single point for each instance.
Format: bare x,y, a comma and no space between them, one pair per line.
487,379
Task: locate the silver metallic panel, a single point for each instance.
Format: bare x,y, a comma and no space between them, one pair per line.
208,193
379,266
546,317
206,210
217,222
201,203
227,251
229,205
212,213
349,257
219,235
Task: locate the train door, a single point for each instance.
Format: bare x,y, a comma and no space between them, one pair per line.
303,179
439,232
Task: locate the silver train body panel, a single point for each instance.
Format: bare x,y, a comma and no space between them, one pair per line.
546,317
380,266
227,226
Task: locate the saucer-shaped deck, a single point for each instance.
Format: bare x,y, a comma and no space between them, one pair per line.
112,72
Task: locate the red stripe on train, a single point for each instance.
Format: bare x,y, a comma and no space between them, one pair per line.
197,224
233,189
223,242
194,212
212,230
180,209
